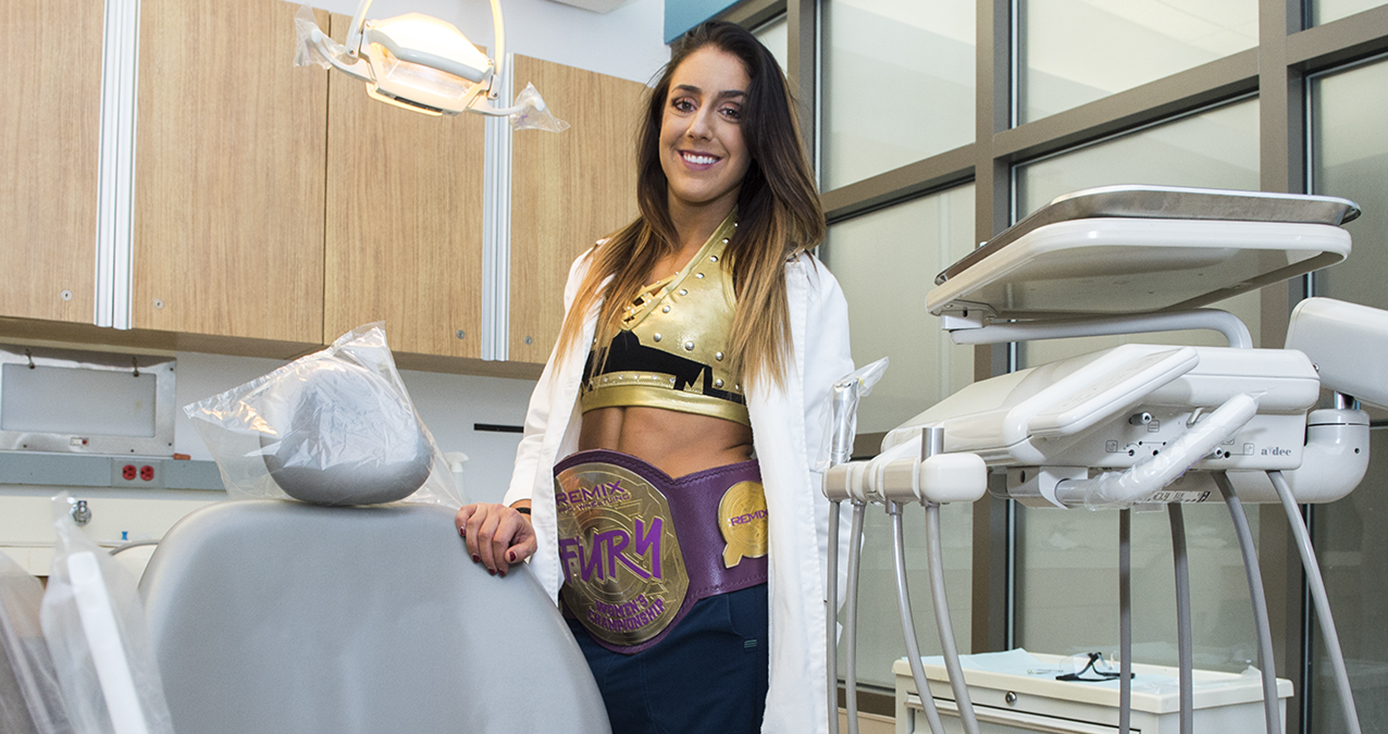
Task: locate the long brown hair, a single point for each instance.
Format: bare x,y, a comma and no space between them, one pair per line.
779,213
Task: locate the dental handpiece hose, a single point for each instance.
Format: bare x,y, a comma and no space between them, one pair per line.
942,621
932,444
843,411
855,544
908,627
831,609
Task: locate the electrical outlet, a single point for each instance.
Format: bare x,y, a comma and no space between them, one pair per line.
142,473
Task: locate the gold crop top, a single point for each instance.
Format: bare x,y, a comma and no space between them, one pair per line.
671,350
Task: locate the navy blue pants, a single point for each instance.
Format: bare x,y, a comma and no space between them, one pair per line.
708,675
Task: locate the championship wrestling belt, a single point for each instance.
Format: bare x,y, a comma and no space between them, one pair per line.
638,548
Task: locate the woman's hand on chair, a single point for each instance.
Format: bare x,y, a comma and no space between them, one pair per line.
497,536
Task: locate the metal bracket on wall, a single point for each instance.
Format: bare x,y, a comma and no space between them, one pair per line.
86,402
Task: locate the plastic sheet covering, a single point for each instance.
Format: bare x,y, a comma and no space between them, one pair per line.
534,114
841,413
336,427
95,627
30,700
307,50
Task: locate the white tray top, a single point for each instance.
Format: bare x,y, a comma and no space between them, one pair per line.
1069,260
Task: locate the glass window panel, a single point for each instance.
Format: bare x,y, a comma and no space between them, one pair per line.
1214,149
1349,158
898,84
1076,51
886,261
1059,551
774,35
1067,585
1353,553
1324,11
880,639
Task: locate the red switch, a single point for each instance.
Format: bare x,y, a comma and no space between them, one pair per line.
147,473
128,472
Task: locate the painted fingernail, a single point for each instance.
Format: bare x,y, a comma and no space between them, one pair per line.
462,533
503,574
475,559
491,572
511,556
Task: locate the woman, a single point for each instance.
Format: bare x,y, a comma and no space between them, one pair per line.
695,338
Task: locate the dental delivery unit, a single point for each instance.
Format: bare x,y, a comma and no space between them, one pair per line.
1137,425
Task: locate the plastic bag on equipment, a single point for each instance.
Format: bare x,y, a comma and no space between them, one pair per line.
841,413
336,427
308,54
536,115
30,700
95,627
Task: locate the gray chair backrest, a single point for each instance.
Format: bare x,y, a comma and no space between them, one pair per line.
275,616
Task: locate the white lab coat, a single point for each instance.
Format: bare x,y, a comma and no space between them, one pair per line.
787,427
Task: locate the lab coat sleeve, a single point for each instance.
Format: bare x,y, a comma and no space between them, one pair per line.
828,360
788,426
530,454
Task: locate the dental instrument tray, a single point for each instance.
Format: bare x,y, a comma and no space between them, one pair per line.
1143,249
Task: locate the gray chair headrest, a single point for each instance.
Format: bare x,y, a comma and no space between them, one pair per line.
343,436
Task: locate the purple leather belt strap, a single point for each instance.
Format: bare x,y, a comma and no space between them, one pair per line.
621,579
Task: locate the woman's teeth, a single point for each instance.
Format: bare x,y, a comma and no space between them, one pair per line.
701,160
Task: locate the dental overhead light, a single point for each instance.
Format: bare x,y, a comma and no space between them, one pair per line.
424,64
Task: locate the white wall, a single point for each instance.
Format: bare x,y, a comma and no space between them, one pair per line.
449,405
626,42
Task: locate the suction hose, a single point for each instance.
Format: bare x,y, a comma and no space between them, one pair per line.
1185,652
1125,621
1271,715
1321,599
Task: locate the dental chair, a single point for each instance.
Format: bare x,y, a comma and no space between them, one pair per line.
275,616
286,616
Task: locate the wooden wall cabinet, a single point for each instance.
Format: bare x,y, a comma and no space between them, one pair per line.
404,222
49,147
277,207
567,191
229,173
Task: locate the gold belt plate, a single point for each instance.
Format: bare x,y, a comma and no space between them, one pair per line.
624,575
742,520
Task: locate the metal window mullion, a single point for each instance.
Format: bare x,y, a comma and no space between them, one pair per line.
1155,102
1338,42
993,526
802,57
919,178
